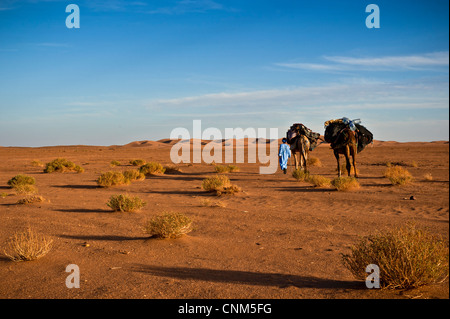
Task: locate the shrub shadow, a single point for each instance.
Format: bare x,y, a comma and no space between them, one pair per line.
84,210
103,237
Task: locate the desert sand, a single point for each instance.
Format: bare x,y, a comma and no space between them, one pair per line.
278,239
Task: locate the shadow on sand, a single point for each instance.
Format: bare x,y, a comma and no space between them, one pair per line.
246,277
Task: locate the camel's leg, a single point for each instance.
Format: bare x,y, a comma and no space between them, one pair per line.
354,161
347,160
336,154
296,160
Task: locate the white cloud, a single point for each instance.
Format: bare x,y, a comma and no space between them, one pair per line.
424,61
407,62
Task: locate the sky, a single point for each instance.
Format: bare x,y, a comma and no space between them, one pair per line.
137,70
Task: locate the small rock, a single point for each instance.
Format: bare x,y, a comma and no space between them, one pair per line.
412,198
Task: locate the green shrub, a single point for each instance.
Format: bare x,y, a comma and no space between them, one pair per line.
112,178
133,175
152,168
300,175
407,257
20,180
220,184
137,162
125,203
114,163
319,181
169,225
226,168
346,183
398,175
62,165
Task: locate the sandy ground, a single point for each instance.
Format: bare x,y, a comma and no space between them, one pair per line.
279,238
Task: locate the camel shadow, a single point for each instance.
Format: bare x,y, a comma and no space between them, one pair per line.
103,237
306,189
246,277
78,186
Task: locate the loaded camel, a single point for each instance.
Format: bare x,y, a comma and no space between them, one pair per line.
301,140
348,138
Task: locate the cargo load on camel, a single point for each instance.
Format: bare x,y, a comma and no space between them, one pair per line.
299,129
335,133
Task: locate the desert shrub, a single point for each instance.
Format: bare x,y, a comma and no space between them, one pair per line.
171,169
345,183
314,161
319,181
28,245
30,199
137,162
125,203
300,175
62,165
152,168
112,178
26,189
398,175
428,177
226,168
37,163
233,168
133,175
169,225
20,180
220,184
407,257
209,203
114,163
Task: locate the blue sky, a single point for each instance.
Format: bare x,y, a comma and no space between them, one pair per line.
136,70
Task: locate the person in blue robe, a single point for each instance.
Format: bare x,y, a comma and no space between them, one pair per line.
283,154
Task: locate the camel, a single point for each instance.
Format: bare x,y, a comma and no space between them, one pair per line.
347,144
297,137
300,149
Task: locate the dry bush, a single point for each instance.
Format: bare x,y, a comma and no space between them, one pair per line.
209,203
172,169
428,177
20,180
28,246
220,184
300,175
226,168
62,165
168,225
137,162
30,199
314,161
398,175
152,168
37,163
407,257
26,189
125,203
114,163
133,175
345,184
112,178
319,181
